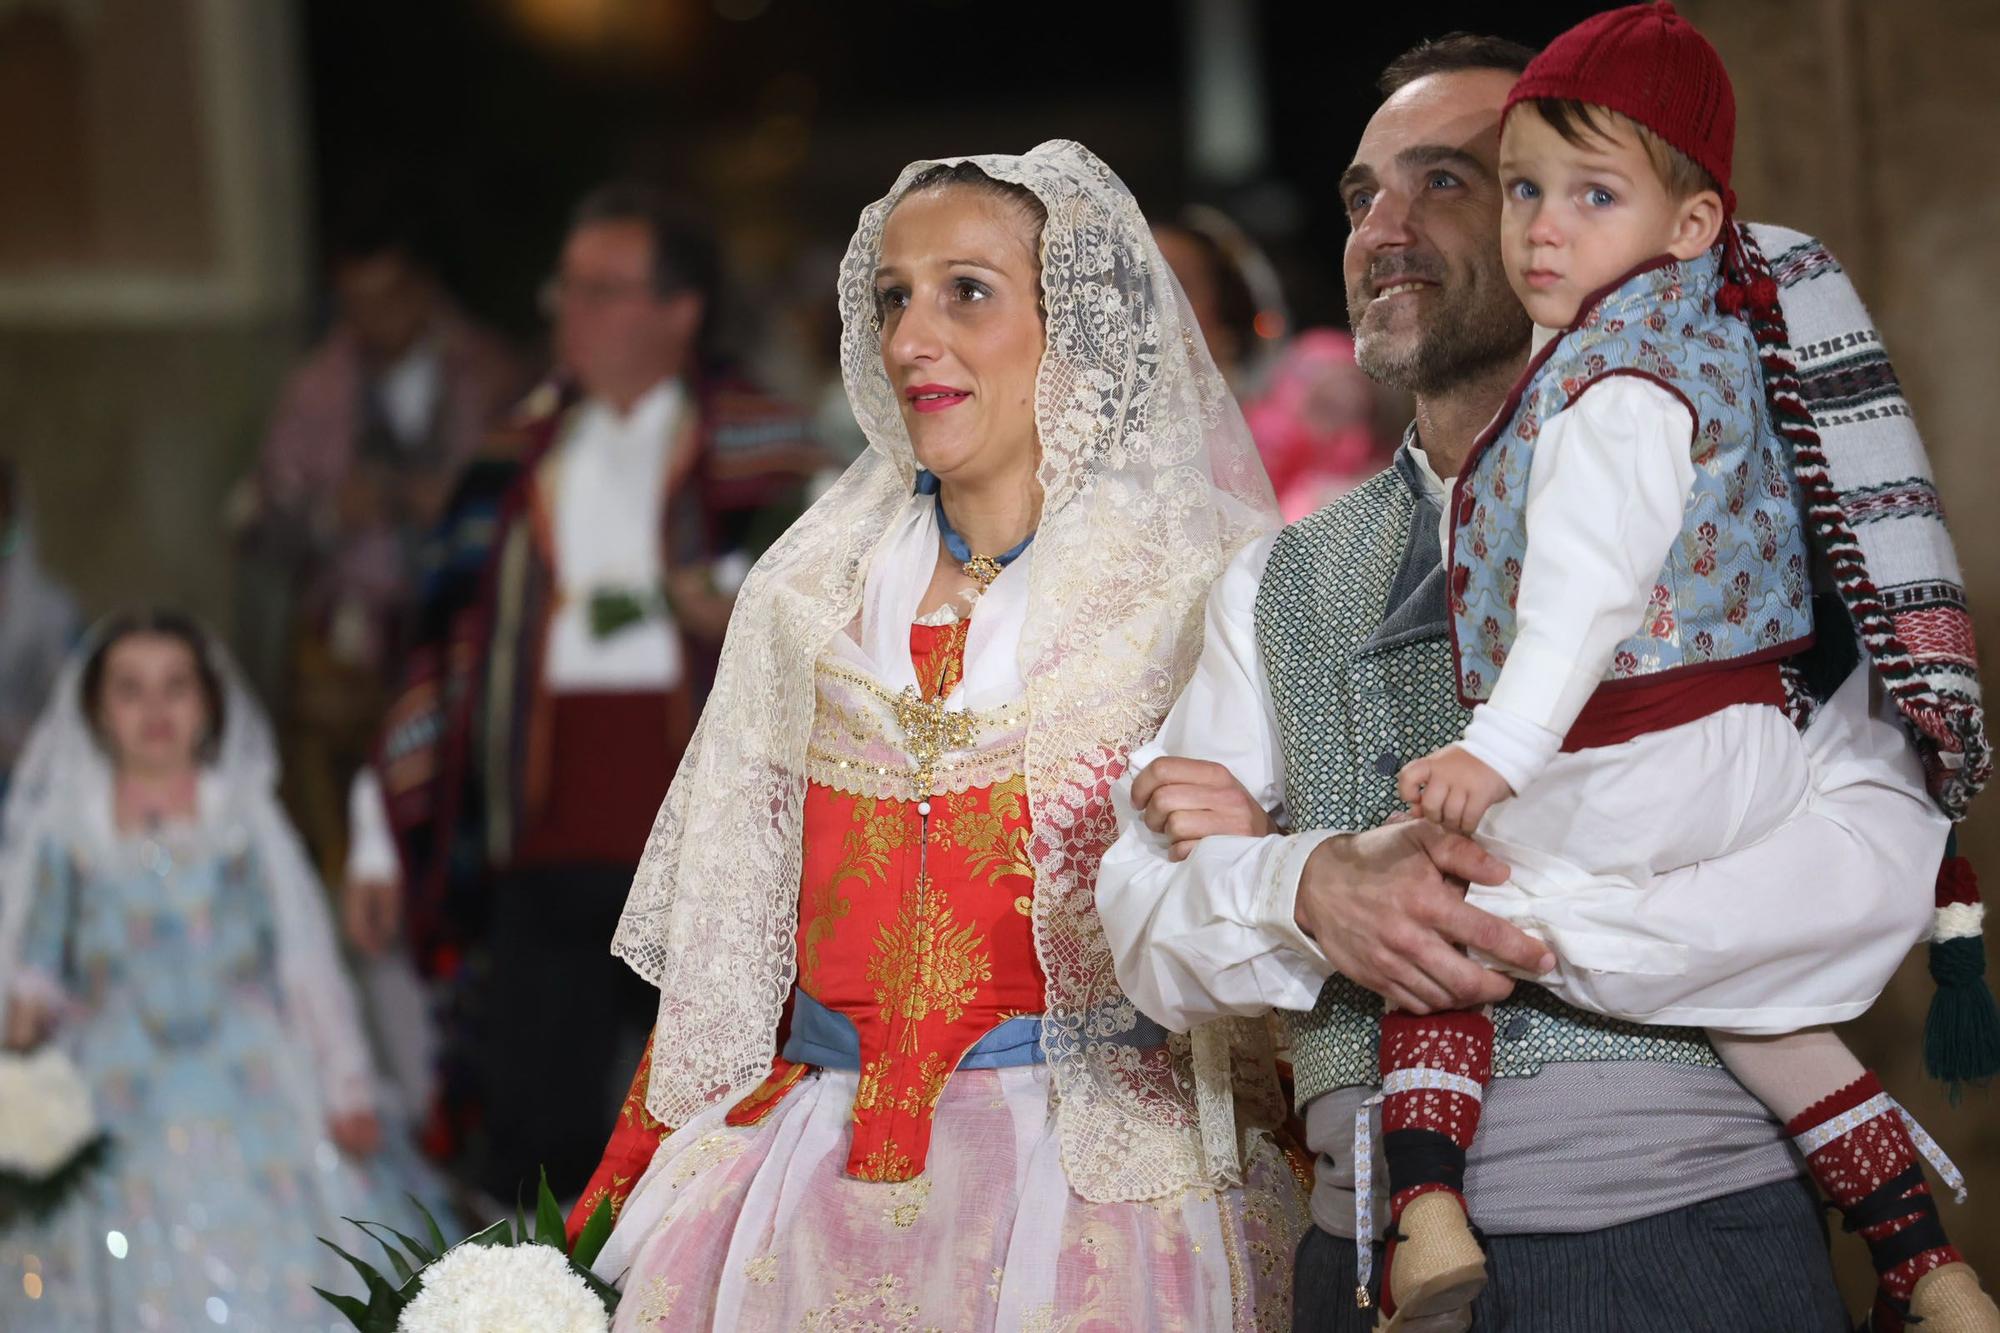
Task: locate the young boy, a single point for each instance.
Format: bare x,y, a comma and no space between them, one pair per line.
1628,571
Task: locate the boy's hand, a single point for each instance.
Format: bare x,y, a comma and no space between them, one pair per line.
1451,788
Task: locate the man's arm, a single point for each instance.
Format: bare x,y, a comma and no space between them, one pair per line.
1241,923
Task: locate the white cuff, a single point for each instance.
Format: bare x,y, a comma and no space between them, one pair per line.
1509,744
1276,910
371,848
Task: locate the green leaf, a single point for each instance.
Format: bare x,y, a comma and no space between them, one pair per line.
590,1241
403,1270
356,1313
417,1250
605,1291
438,1243
497,1234
378,1286
549,1229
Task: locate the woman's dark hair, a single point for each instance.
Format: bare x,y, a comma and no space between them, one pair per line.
965,173
172,625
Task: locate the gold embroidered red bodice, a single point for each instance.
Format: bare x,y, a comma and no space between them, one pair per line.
915,925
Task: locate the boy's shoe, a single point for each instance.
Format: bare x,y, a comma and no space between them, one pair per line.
1435,1268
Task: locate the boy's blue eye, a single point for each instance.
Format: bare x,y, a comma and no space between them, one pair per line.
1525,190
1600,197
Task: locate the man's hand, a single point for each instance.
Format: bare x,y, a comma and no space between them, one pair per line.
1451,788
697,607
1388,909
357,1133
1192,799
371,910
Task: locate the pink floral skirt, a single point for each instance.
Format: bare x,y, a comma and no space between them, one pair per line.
760,1228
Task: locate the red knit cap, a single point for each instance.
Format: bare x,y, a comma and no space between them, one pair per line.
1648,63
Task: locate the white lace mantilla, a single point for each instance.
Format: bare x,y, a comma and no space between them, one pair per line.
1150,484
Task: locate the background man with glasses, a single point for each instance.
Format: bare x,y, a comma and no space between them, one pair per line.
577,590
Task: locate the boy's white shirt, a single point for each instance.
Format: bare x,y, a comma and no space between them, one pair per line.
1841,888
1607,491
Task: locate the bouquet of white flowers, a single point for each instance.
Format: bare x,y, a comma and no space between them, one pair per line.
49,1136
509,1278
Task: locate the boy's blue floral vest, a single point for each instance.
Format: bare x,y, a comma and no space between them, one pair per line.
1735,586
1351,627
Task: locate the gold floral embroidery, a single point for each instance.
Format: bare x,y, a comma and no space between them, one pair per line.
906,1202
763,1271
887,1162
709,1151
926,963
924,1093
633,1112
884,828
871,1092
992,848
656,1301
877,1306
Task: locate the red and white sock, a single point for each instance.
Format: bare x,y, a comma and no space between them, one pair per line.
1861,1153
1435,1068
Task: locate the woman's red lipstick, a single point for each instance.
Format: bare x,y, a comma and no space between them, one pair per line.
935,397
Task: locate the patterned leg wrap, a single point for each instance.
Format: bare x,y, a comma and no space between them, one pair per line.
1860,1151
1434,1074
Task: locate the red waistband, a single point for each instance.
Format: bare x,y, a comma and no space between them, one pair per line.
611,757
1620,712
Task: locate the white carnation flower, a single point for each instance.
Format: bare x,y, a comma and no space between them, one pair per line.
503,1289
45,1113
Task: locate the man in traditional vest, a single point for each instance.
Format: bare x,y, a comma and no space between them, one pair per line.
1327,666
578,594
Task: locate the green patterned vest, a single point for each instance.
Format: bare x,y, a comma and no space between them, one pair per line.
1352,625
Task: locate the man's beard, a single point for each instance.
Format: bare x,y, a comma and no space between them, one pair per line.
1474,325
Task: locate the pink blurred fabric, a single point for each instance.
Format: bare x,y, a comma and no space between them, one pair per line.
1315,423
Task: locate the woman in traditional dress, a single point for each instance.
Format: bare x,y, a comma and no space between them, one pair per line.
159,921
907,1090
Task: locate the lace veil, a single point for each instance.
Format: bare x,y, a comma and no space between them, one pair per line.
62,789
1150,484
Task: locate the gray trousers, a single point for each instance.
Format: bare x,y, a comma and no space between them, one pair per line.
1753,1262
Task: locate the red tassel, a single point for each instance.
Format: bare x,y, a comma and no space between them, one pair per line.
1729,298
1957,882
1764,294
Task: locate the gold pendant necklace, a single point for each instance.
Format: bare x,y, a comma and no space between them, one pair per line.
982,569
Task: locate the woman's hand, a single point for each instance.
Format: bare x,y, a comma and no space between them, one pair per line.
1192,799
356,1133
29,1022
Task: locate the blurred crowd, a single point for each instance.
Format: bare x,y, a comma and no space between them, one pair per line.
489,590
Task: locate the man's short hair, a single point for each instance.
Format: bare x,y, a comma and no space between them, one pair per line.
684,251
1451,54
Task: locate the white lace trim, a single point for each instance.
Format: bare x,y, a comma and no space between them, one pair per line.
862,740
1826,1131
1150,484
